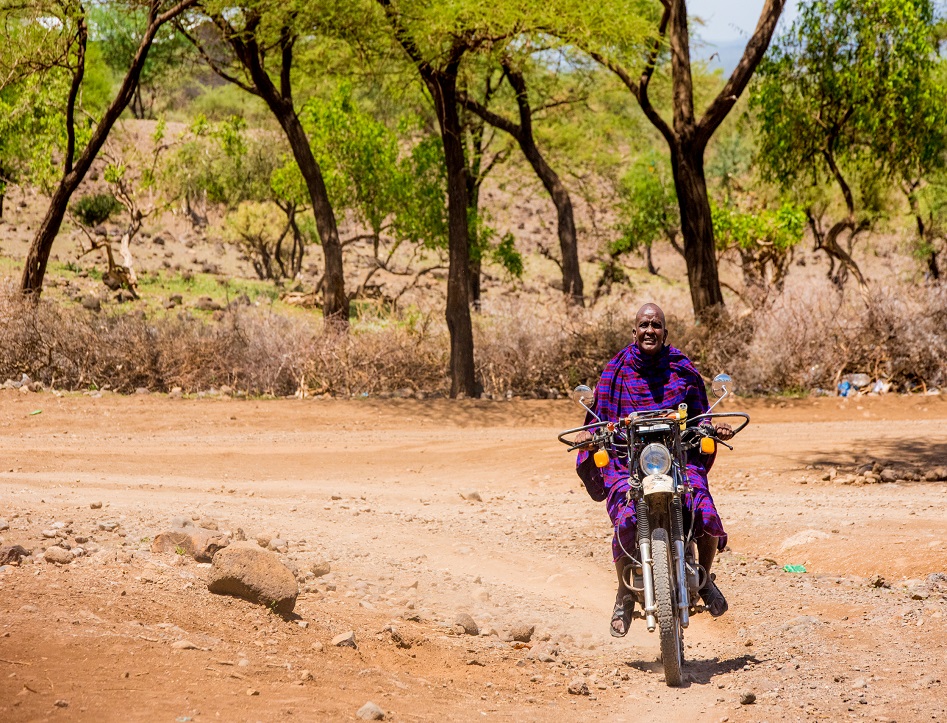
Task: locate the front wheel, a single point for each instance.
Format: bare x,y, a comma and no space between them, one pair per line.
669,621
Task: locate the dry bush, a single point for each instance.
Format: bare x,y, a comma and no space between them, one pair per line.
800,342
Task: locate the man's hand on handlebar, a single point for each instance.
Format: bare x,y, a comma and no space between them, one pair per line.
723,431
583,441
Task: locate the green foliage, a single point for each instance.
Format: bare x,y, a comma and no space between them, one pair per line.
222,163
648,210
763,239
505,254
778,228
116,31
368,175
849,84
93,209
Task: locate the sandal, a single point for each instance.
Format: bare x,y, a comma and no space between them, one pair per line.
623,612
714,600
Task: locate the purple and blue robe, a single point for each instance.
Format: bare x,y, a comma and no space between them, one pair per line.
631,382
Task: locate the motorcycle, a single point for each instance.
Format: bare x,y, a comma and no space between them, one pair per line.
665,576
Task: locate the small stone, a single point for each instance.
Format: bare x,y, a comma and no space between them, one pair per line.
179,522
467,623
305,675
252,691
278,545
370,711
207,523
747,697
303,624
108,526
4,525
184,645
320,568
889,475
58,555
345,640
521,632
61,703
471,496
200,543
578,687
317,647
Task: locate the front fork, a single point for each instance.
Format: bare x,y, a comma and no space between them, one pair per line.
677,534
647,561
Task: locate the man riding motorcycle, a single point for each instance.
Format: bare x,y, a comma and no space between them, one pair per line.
649,375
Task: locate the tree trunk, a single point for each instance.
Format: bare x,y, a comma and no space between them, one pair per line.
697,230
568,245
3,195
443,87
335,307
473,229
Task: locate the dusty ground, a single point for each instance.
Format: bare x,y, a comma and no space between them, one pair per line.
375,488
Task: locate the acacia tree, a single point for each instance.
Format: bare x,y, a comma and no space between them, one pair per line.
687,134
438,64
255,35
522,133
848,98
71,26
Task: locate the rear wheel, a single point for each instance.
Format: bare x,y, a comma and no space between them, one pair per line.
669,621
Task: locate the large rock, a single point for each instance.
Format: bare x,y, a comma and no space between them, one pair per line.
197,542
12,554
245,570
58,555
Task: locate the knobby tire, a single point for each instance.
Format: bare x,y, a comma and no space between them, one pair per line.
669,623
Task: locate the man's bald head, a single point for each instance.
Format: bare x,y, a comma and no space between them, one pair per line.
652,309
650,329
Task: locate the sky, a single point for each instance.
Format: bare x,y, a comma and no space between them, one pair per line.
728,20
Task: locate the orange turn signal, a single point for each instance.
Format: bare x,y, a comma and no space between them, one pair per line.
708,445
601,458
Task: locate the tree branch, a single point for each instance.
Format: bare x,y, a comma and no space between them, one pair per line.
752,55
494,119
82,36
213,64
652,115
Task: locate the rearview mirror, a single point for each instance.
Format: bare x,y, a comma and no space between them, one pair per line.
722,385
583,396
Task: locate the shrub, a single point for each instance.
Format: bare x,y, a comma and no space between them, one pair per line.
95,208
799,342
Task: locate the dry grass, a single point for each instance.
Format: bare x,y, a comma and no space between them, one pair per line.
522,348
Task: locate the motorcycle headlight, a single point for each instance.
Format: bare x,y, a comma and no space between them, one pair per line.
655,459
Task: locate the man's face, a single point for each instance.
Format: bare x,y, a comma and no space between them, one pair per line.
650,331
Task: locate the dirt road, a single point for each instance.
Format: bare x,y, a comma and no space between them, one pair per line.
376,489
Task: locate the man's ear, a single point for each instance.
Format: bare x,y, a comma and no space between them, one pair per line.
665,337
